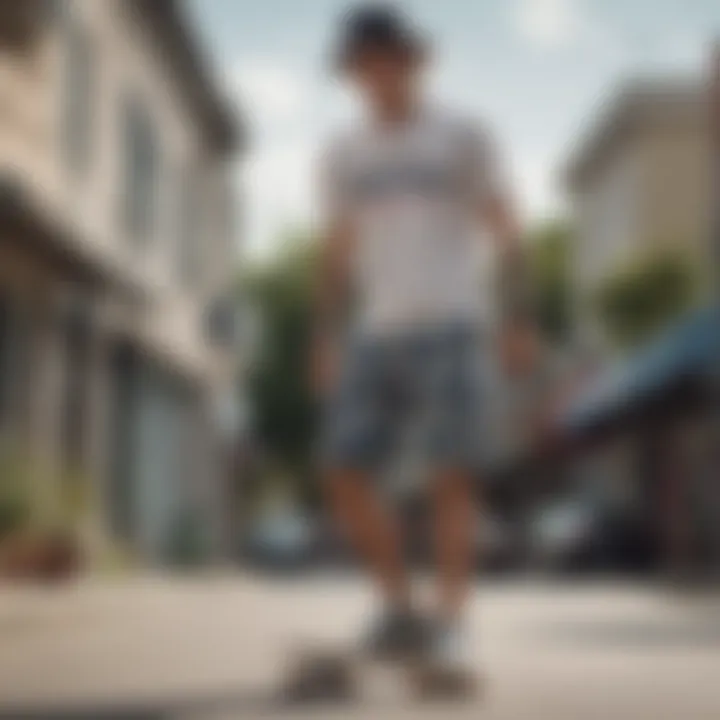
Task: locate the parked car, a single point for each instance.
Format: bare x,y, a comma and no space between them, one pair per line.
566,535
495,544
577,534
282,541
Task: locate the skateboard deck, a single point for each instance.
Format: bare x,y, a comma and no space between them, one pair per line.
342,675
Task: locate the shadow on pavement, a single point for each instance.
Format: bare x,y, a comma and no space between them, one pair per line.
238,704
241,703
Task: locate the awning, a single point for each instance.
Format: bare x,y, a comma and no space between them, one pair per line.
691,350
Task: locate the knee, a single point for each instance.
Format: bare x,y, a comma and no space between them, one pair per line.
344,488
454,485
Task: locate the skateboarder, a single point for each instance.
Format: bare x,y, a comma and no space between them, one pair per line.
411,191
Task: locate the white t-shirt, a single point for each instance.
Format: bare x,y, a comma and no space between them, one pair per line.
413,194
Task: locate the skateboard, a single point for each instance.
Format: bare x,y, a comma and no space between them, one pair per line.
322,675
338,675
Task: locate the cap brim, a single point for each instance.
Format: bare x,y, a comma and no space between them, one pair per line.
347,55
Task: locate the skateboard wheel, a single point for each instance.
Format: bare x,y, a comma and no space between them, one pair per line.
441,684
321,677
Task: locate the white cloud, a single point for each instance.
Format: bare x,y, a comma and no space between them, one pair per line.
280,188
280,102
268,89
683,51
284,173
549,23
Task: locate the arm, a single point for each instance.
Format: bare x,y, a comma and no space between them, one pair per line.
333,286
518,339
497,215
332,295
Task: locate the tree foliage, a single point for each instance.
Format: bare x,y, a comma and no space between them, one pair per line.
284,413
549,246
646,295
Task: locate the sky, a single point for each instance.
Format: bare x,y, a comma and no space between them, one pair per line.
535,71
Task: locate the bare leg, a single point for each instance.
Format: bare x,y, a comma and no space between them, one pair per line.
454,539
372,532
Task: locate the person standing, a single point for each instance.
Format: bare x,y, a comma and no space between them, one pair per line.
409,193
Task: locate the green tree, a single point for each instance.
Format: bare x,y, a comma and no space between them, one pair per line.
549,247
283,410
646,295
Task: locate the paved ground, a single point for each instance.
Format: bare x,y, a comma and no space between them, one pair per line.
213,648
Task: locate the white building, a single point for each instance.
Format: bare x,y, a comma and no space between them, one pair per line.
641,179
116,233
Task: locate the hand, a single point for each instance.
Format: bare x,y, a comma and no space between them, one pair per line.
323,365
516,349
544,427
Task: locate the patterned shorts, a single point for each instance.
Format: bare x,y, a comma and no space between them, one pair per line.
428,385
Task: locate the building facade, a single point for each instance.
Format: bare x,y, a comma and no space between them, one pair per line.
641,180
117,233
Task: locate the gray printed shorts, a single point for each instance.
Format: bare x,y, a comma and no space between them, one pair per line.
429,383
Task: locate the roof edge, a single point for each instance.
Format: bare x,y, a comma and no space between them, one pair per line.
169,22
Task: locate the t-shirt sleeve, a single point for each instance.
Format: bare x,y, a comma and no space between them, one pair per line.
487,171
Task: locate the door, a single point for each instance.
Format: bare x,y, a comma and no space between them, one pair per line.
153,455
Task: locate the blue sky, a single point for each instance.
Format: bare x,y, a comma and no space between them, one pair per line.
536,70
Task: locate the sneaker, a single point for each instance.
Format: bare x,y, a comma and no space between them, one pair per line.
447,669
450,646
396,636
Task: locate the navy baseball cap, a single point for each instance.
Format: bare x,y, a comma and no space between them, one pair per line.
376,27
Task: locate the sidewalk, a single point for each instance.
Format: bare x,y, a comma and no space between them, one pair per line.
214,648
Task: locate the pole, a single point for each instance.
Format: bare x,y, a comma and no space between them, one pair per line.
714,258
715,156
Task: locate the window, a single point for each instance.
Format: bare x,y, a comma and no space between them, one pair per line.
76,336
59,11
219,245
4,359
15,362
140,183
77,99
227,222
222,322
189,255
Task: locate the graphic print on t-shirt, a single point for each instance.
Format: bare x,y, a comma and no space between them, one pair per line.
412,193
